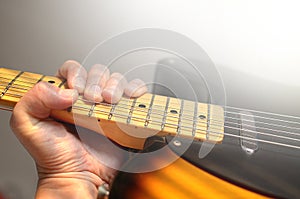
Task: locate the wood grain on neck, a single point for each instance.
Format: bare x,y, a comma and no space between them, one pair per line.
131,121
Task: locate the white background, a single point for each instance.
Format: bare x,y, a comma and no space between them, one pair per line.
255,44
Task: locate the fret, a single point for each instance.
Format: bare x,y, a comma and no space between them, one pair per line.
81,107
10,84
141,109
172,117
201,121
216,123
149,111
208,122
41,79
103,110
111,112
144,116
130,111
122,110
157,115
195,118
180,117
63,82
187,119
165,114
91,111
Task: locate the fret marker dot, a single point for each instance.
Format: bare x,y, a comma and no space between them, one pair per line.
51,81
173,111
202,117
142,105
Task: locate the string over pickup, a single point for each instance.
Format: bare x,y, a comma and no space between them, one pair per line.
248,133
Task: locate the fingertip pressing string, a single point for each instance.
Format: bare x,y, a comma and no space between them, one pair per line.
269,116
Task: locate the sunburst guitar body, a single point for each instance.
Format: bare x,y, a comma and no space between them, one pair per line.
206,151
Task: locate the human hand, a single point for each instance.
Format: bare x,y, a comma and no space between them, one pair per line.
65,168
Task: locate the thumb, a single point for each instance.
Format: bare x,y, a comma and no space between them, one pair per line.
40,100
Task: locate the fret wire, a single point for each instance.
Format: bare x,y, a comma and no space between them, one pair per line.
16,87
174,126
26,77
252,139
222,126
187,117
62,83
29,78
16,83
165,112
269,124
201,129
256,116
43,76
259,122
149,111
130,111
208,120
180,115
111,112
195,118
9,84
91,110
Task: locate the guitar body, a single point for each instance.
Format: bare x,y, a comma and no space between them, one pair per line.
226,172
180,179
247,154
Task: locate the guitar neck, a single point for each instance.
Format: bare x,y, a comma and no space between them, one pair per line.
132,120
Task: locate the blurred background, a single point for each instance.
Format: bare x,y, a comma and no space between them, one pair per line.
254,44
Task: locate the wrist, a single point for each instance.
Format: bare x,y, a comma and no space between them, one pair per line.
75,185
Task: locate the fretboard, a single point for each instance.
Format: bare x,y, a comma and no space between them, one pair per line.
132,120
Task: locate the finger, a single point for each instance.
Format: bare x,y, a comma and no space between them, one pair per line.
75,74
96,81
39,101
114,88
135,88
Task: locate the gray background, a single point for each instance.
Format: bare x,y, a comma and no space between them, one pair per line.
254,44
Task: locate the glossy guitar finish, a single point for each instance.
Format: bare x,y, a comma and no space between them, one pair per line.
271,170
257,151
181,179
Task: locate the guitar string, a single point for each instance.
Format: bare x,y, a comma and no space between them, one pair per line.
213,132
275,130
262,112
233,135
264,123
257,116
224,133
176,125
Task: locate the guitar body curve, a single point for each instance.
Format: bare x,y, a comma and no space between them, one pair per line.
226,172
181,179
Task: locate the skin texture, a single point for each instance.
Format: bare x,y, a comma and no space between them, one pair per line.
65,168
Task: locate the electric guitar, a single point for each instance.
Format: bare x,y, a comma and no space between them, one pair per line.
251,154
